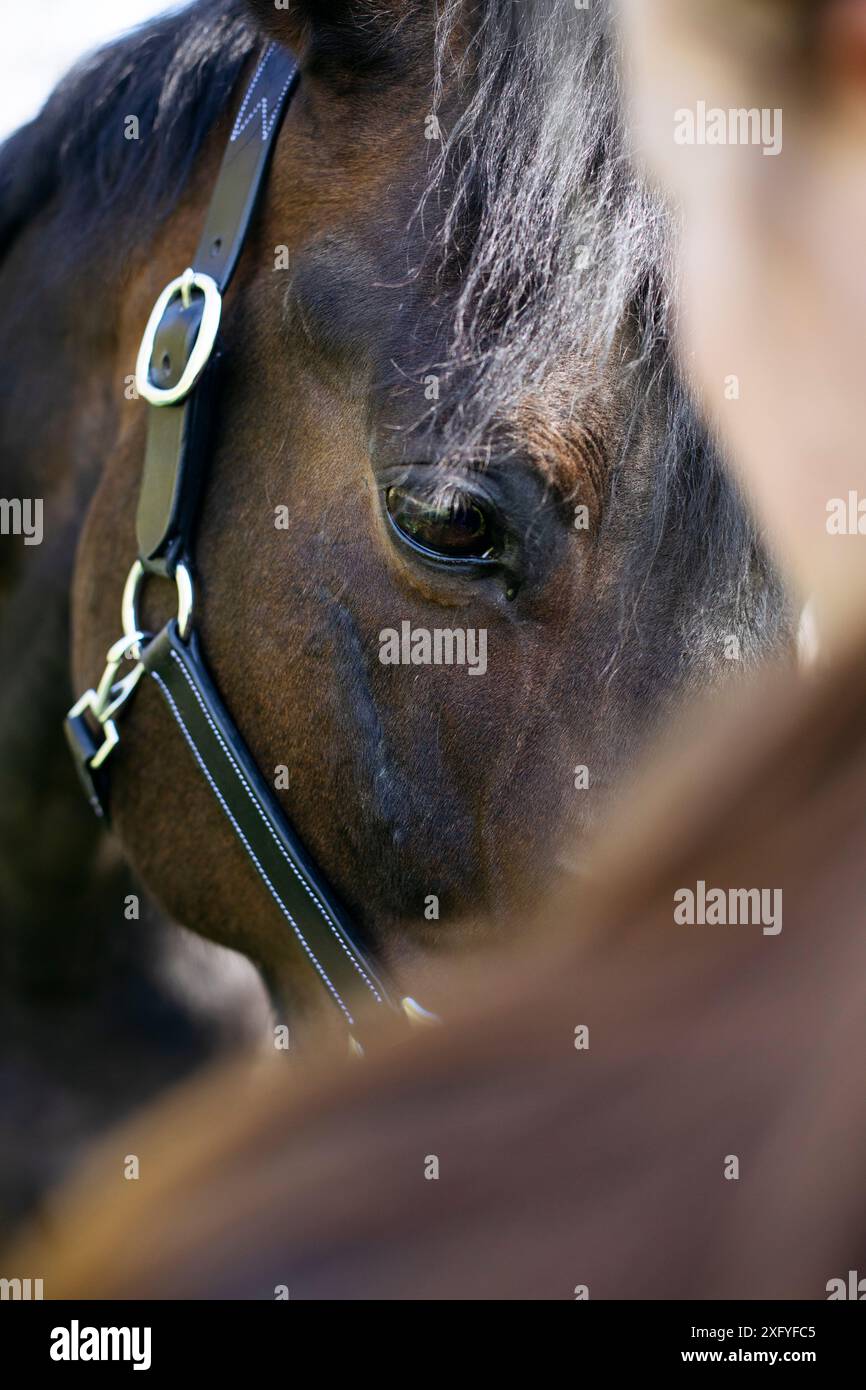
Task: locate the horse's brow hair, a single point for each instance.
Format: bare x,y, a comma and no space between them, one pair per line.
567,242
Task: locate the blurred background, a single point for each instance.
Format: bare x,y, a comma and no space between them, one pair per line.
43,38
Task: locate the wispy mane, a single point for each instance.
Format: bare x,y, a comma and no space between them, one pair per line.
564,236
559,247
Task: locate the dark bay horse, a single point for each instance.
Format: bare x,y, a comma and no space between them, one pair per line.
447,339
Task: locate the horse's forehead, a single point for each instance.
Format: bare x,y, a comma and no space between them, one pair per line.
355,297
347,182
349,192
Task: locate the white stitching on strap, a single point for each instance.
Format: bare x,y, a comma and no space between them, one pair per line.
250,793
217,793
241,124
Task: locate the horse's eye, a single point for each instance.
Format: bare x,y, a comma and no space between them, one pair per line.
457,526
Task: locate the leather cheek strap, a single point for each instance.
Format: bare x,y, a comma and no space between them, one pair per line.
177,444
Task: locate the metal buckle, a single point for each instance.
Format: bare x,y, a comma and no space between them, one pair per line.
110,695
202,348
99,706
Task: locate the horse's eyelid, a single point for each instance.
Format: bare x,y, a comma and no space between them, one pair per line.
475,487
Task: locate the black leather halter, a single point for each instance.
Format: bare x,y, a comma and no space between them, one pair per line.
177,367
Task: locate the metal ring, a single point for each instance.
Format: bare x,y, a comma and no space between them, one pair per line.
416,1014
132,589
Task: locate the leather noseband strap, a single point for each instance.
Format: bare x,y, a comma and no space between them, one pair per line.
271,845
177,368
